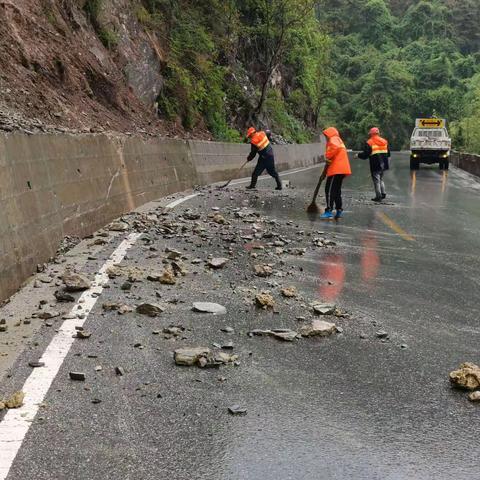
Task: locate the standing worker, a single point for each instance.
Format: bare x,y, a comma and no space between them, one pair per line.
266,161
337,167
377,150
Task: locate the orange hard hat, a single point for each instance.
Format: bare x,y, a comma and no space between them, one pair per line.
374,131
250,132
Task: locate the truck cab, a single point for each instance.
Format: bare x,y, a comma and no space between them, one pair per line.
430,143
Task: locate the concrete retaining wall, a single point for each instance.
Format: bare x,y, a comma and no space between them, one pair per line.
467,162
57,185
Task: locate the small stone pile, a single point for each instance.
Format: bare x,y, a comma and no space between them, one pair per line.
467,377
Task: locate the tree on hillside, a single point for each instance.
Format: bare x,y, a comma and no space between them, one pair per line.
426,19
465,16
378,24
385,101
271,24
466,130
399,7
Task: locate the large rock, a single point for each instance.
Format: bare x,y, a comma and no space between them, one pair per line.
467,376
284,334
209,307
75,282
237,410
118,227
173,254
190,356
48,313
168,277
225,358
150,309
318,328
289,292
264,300
63,297
220,219
202,357
262,270
217,263
323,308
15,400
474,396
178,268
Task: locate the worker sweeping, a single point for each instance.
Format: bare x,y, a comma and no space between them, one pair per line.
266,161
337,167
377,150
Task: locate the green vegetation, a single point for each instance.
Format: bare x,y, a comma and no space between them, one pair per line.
224,55
297,66
107,36
397,60
93,9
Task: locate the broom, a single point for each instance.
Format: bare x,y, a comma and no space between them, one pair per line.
313,207
235,176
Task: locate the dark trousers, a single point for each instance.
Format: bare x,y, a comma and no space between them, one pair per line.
333,192
266,162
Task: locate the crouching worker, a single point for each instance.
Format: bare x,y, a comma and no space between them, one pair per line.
337,167
266,161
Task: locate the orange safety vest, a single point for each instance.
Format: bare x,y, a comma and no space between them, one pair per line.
378,145
336,154
260,140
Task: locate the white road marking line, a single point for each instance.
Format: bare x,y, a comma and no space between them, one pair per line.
16,422
181,200
283,174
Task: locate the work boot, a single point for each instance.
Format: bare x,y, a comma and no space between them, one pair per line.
377,199
384,196
328,215
279,187
250,187
339,214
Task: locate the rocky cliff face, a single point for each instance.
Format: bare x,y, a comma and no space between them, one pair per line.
58,70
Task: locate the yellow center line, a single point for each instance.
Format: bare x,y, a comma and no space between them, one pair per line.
395,227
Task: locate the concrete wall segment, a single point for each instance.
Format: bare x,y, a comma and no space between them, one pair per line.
467,161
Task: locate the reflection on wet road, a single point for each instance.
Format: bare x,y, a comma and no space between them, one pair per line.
411,267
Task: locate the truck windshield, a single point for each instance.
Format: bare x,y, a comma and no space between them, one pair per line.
429,133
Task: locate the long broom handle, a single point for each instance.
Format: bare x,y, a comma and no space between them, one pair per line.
236,173
317,189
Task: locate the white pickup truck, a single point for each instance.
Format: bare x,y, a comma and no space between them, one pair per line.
430,143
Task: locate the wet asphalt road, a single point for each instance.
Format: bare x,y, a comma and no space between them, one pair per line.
336,408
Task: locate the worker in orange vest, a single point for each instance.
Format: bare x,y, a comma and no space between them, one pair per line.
377,150
337,167
260,143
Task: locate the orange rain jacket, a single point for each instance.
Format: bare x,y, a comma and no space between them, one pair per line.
336,154
260,144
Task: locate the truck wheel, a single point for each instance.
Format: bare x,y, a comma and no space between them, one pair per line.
414,164
444,164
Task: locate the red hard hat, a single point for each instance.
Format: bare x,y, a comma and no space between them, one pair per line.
250,132
374,131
